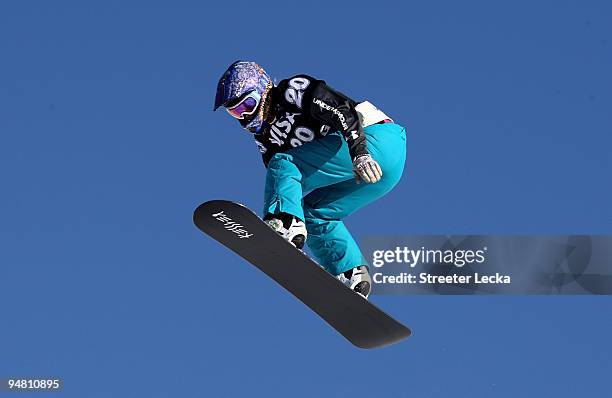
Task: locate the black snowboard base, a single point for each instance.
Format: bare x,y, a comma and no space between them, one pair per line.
243,232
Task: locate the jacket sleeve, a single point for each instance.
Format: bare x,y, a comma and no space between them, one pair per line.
337,110
328,106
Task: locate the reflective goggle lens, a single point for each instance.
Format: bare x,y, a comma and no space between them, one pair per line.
245,107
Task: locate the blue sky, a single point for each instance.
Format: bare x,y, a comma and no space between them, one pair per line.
108,143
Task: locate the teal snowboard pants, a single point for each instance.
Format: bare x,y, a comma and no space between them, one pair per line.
322,169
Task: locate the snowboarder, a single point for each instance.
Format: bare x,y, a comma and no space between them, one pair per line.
316,141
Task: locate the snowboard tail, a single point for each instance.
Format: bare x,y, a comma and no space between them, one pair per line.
243,232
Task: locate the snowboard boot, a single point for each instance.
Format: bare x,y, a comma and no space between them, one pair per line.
291,228
357,279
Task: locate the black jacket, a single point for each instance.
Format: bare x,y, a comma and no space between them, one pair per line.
305,109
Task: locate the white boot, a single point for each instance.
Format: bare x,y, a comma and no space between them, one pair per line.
295,233
357,279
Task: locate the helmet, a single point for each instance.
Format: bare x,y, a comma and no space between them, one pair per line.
241,79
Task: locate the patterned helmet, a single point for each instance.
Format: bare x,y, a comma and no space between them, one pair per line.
240,78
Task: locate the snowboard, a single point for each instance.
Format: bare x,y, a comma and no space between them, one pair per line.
243,232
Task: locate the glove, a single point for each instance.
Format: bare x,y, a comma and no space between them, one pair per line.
366,169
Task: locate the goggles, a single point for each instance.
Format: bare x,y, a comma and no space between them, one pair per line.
246,106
